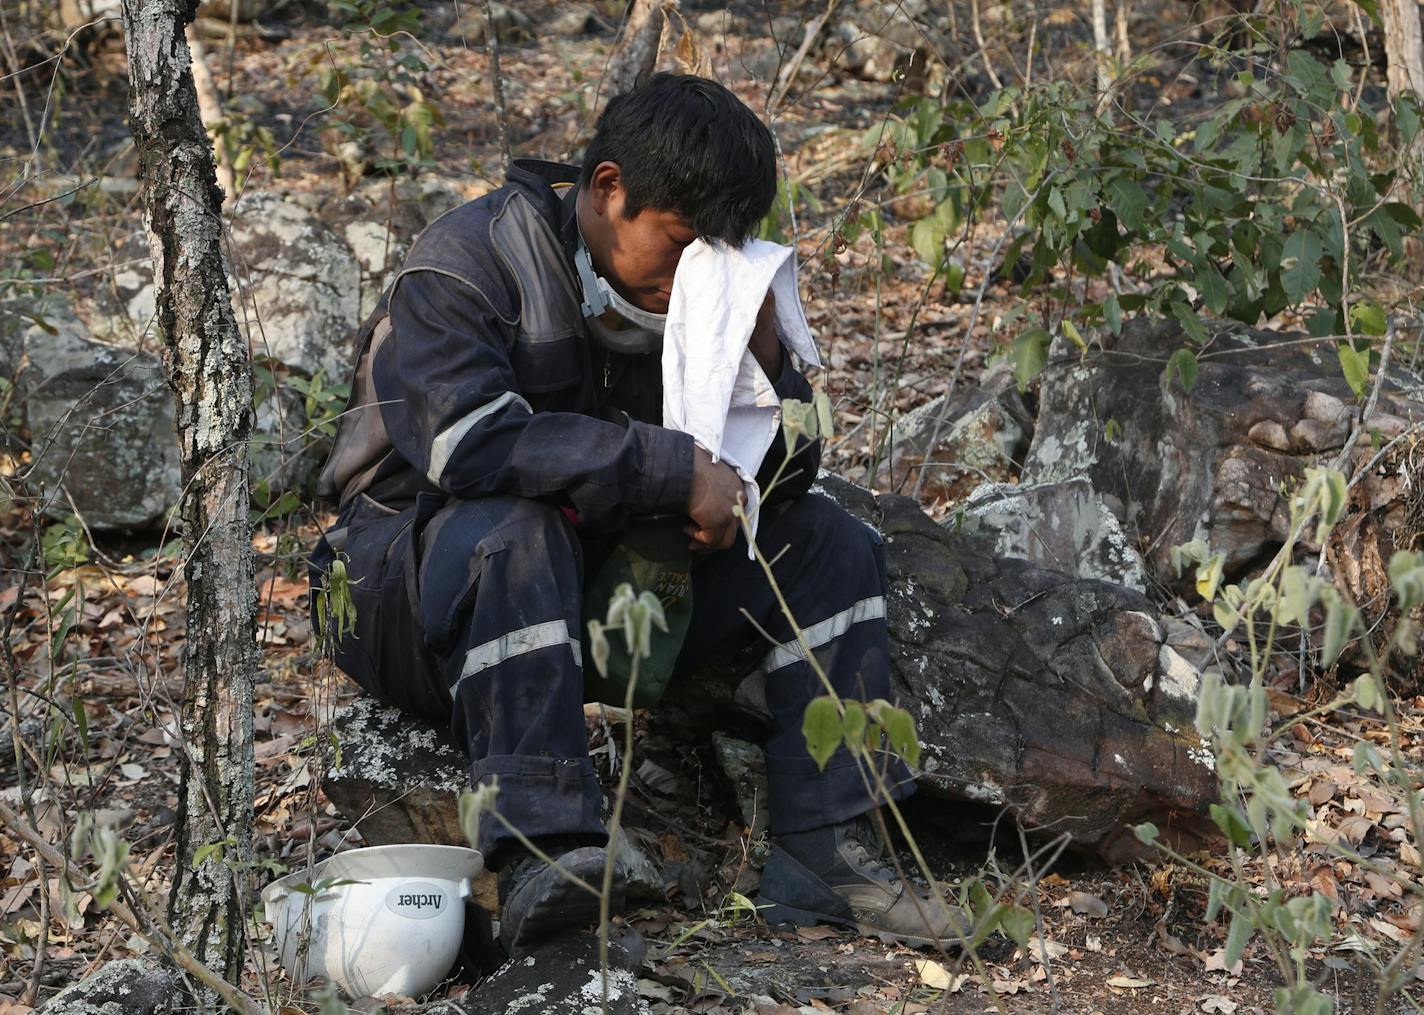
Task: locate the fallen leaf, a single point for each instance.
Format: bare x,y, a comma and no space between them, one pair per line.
1085,904
818,933
1216,962
1217,1004
932,974
1129,982
1321,792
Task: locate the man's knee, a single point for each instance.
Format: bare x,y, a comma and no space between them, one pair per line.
820,528
523,551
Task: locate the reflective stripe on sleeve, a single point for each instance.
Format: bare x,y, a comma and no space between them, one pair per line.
550,634
823,633
445,442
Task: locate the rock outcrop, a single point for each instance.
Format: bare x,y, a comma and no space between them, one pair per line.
1210,463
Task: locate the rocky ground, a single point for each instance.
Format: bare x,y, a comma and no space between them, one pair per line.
1046,599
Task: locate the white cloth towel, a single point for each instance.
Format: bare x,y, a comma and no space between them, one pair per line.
713,387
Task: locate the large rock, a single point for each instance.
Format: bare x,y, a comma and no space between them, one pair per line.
978,434
401,777
121,987
101,425
1208,464
562,978
1063,526
301,286
1068,701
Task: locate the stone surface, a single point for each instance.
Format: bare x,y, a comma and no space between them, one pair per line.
745,766
121,987
562,978
979,433
1208,464
399,779
1062,526
1061,699
301,286
101,425
510,24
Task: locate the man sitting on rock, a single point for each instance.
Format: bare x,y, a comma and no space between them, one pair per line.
498,441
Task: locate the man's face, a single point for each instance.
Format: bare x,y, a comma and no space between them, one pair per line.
638,255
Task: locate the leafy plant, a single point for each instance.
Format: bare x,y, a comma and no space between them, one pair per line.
1281,197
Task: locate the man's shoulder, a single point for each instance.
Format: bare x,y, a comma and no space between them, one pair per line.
478,237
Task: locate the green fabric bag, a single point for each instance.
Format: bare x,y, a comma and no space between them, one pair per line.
652,556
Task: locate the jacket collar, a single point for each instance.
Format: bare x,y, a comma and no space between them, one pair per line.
535,178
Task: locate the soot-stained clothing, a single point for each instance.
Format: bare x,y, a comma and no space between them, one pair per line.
490,452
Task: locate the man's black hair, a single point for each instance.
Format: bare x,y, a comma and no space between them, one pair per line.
686,144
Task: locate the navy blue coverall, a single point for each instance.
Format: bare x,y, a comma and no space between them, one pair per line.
490,453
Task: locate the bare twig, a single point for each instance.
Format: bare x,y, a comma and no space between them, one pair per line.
497,81
814,27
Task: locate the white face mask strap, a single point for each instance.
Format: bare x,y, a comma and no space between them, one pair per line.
599,296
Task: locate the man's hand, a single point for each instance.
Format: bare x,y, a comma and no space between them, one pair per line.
716,491
766,344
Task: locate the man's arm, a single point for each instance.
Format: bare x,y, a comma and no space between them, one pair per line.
452,407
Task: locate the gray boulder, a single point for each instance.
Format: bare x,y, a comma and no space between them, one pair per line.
1208,464
300,286
102,427
979,433
121,987
562,977
1062,526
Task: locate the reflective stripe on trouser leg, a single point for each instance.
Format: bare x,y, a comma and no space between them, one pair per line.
551,634
820,635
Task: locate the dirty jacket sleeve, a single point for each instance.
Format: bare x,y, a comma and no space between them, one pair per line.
801,471
452,406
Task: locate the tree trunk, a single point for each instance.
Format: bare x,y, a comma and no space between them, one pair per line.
1102,51
210,371
1403,47
637,52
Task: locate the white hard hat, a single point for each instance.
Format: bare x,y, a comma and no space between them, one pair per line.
382,920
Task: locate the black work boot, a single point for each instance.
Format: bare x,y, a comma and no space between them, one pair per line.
838,874
536,901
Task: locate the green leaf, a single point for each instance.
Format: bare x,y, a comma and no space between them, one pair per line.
1112,313
1128,201
1232,825
1236,938
1406,574
1367,694
1215,292
900,731
1030,355
1300,264
1209,574
81,721
1017,923
1191,323
1183,367
1146,833
927,237
1368,318
1340,618
822,729
853,725
1356,367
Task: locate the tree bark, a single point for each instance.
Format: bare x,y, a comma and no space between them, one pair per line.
637,52
1403,47
209,369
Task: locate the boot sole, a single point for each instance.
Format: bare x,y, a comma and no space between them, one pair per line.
777,912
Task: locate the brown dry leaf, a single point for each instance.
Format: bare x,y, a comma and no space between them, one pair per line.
1218,1005
1355,828
1322,879
8,1007
1383,886
1321,792
1087,904
144,585
1130,982
819,933
1216,962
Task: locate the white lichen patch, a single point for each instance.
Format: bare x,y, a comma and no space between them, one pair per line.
1202,756
1180,678
984,792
